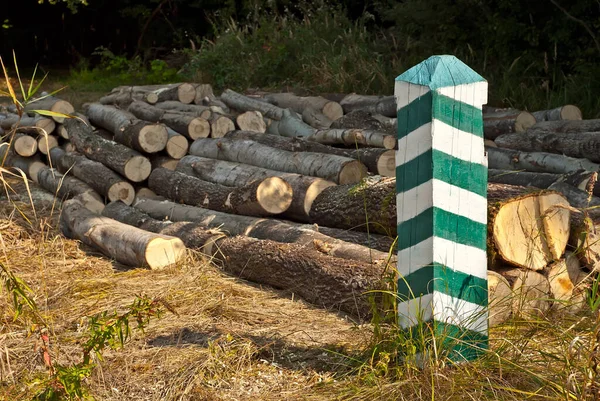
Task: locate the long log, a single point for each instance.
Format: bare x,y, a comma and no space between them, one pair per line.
244,103
264,197
126,244
567,112
198,111
105,181
31,125
131,132
378,161
527,228
185,124
341,170
124,98
506,122
304,189
125,161
384,105
182,92
321,279
67,187
574,144
584,180
332,110
566,126
53,104
542,162
362,120
28,165
271,229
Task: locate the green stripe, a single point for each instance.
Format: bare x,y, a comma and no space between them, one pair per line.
415,114
457,114
442,224
444,167
437,277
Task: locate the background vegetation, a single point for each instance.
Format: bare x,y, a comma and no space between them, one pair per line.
535,54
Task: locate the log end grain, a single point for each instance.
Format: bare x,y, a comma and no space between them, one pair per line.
386,164
177,146
199,127
490,143
34,169
524,121
46,125
500,297
122,191
46,142
570,112
62,131
220,126
274,195
151,98
389,142
164,162
164,252
333,110
251,121
138,168
153,138
313,190
186,93
25,145
63,107
352,172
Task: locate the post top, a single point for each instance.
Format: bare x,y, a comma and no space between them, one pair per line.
439,72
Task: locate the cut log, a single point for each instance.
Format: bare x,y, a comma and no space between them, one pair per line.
578,198
185,124
167,162
584,180
197,111
129,131
304,189
177,145
489,143
341,170
24,145
367,206
124,98
28,165
315,118
144,193
542,162
126,244
104,134
331,110
527,228
566,126
105,181
531,292
567,112
30,125
384,105
500,298
184,93
46,142
61,131
67,187
576,144
303,270
264,197
361,119
506,122
262,229
125,161
565,278
378,161
53,104
251,121
244,103
203,91
220,125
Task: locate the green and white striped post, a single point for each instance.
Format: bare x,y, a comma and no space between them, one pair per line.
441,196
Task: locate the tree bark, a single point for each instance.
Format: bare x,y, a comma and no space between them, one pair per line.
360,119
526,228
584,180
167,162
318,278
244,103
197,111
67,187
341,170
31,125
542,162
378,161
367,206
567,112
102,179
575,144
331,110
315,118
28,165
125,161
185,124
264,197
270,229
126,244
304,189
384,105
54,104
566,126
124,98
506,122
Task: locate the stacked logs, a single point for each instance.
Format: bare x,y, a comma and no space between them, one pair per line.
299,192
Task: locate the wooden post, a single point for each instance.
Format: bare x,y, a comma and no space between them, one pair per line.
441,187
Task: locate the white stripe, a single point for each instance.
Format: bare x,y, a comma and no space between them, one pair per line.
459,312
414,144
474,94
443,308
415,310
405,93
440,194
459,201
459,144
462,258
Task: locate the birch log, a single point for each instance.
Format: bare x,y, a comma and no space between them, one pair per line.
341,170
567,112
126,244
506,122
542,162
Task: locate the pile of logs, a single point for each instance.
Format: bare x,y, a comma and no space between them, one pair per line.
299,192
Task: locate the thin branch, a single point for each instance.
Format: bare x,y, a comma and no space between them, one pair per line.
581,22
